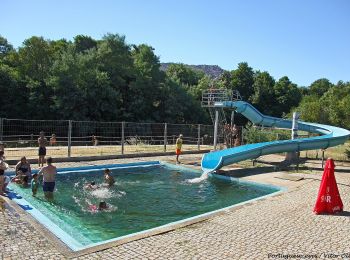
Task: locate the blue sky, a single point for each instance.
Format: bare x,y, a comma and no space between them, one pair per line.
305,40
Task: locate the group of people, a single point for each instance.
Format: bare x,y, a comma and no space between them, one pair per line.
46,175
232,135
24,177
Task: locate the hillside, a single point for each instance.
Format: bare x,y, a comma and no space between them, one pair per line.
212,71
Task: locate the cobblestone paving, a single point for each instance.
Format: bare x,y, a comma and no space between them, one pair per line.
278,225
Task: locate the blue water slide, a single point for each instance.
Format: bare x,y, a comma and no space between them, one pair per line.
329,136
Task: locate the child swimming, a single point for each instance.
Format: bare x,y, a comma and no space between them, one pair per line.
101,206
108,177
91,186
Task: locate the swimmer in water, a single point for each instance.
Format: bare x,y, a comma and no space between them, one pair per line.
101,206
91,186
108,177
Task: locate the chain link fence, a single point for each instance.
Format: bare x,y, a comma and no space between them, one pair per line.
90,138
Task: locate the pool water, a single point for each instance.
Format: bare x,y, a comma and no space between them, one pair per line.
142,198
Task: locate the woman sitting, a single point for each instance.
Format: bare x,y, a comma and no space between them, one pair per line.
23,170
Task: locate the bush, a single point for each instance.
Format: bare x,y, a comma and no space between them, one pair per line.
253,134
347,153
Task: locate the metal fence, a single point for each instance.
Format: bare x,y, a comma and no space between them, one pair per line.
90,138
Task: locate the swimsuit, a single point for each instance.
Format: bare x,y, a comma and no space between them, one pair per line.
48,186
42,151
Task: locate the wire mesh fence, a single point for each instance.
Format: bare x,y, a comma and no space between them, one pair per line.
90,138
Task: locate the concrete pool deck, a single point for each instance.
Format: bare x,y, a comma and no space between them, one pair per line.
279,225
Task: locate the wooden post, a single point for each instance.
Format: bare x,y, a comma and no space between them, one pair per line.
216,125
199,137
123,138
69,138
165,135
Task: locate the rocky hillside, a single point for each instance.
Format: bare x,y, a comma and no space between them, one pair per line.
212,71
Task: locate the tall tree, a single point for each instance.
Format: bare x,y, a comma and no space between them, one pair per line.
264,96
287,95
319,87
243,80
146,88
84,43
35,58
114,58
5,47
183,74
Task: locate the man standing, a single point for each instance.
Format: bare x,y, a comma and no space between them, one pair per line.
49,177
178,147
42,141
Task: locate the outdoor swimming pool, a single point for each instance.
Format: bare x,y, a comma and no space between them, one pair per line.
144,196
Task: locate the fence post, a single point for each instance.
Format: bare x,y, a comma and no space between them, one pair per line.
69,137
165,135
199,137
1,128
216,128
123,138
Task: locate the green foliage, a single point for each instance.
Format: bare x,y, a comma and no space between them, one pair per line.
347,153
243,80
333,107
252,134
5,47
319,87
109,79
264,96
287,95
86,79
183,74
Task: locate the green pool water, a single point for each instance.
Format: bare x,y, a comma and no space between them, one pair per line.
142,198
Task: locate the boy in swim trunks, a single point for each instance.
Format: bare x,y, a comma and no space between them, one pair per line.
49,176
178,147
42,141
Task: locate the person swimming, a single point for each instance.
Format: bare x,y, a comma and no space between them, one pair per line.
101,206
108,177
91,186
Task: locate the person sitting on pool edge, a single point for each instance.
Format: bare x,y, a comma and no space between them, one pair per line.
108,177
49,177
23,169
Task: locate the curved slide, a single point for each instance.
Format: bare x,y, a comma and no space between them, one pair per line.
330,136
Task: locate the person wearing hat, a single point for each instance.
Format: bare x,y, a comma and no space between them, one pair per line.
178,147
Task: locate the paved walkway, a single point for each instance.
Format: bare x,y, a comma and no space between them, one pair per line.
272,228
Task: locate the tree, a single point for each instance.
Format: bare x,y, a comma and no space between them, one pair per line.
14,95
264,96
312,110
84,43
145,90
183,74
319,87
114,58
35,58
287,95
243,80
82,92
5,47
225,80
